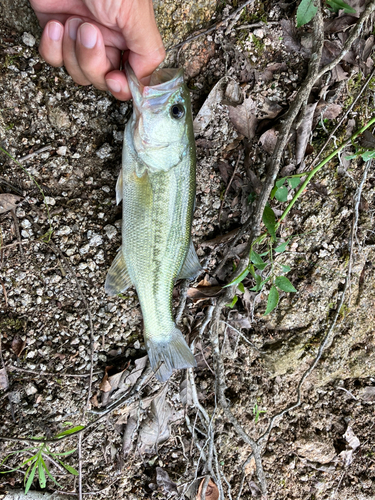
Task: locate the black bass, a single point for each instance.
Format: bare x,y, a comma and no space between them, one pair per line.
157,187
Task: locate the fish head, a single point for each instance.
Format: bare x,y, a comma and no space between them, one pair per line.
162,121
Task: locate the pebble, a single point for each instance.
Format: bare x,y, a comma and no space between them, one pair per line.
28,39
110,231
105,151
49,200
61,150
95,240
30,389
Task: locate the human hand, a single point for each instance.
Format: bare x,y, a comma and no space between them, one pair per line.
88,37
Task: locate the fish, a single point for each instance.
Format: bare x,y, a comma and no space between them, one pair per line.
157,188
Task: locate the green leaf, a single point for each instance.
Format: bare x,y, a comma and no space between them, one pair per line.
241,288
269,221
284,284
281,248
239,278
259,283
41,474
257,260
70,431
285,269
233,303
282,194
49,474
273,300
272,194
251,197
31,477
352,157
336,5
305,12
368,155
294,181
70,469
280,182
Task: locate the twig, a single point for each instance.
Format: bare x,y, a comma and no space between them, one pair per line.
212,28
51,374
348,392
35,153
229,185
5,294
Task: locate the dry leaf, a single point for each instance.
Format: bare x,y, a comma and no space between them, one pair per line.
244,118
8,202
268,140
203,292
207,111
212,491
368,393
154,428
105,386
332,111
4,382
269,110
164,481
18,345
224,238
304,131
352,444
127,439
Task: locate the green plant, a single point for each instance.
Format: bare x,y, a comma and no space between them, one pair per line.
280,192
307,10
37,462
257,412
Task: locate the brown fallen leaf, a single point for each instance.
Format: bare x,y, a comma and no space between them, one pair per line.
304,131
155,428
352,444
222,238
268,140
8,202
244,118
212,491
104,385
203,292
164,481
332,111
269,110
18,345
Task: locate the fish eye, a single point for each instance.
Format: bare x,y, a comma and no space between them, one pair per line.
177,111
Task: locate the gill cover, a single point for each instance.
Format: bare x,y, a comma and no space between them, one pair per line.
161,118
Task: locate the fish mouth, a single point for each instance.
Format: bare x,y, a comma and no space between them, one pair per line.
163,83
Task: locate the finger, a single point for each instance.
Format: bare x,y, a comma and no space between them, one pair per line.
69,51
50,47
142,37
94,58
118,85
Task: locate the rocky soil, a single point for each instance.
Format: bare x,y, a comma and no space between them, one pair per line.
61,228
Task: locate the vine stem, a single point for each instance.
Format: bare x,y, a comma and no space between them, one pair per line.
318,167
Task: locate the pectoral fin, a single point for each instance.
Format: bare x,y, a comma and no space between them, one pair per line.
191,266
119,189
118,279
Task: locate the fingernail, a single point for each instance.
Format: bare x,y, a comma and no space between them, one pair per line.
73,25
54,31
114,86
88,35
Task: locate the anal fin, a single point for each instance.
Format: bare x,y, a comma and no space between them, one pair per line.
118,279
191,266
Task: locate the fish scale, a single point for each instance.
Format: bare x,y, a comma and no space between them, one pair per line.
157,186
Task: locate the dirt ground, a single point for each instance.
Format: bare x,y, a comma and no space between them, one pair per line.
57,324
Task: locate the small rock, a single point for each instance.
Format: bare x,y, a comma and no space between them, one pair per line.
49,200
104,152
315,451
95,240
61,150
28,39
30,389
25,224
110,231
59,118
258,33
25,299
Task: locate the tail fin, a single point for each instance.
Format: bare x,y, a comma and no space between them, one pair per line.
172,354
